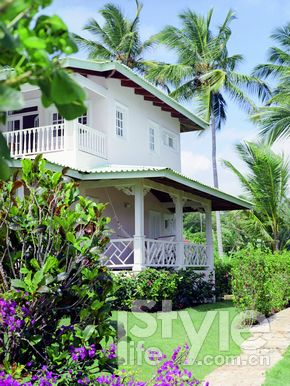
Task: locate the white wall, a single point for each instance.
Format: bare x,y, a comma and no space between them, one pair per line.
122,205
131,150
134,148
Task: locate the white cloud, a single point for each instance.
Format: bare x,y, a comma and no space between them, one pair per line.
191,163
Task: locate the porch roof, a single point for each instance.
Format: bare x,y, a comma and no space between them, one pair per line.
141,86
166,176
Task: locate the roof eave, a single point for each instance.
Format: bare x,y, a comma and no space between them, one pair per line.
197,123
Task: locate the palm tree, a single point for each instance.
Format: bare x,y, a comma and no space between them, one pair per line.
205,72
266,185
274,118
118,39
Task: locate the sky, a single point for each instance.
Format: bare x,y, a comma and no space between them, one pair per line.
256,20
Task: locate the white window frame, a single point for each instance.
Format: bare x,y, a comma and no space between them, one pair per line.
167,137
124,111
58,121
152,128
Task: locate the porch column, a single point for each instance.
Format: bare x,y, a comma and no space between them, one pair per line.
139,238
209,239
70,134
179,201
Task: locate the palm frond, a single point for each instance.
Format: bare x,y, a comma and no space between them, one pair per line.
171,73
278,56
274,121
251,84
267,69
238,96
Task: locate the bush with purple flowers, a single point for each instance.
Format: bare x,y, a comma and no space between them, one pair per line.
168,372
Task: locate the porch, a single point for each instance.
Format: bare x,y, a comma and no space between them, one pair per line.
147,225
158,253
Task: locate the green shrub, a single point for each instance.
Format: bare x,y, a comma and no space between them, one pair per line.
55,294
223,276
192,289
125,284
184,288
261,280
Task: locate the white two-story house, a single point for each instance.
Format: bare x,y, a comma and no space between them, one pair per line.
125,151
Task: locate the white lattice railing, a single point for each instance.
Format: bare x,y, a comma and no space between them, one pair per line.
91,141
195,255
119,253
158,253
36,140
161,253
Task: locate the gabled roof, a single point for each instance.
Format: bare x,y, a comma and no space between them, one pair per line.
163,175
128,78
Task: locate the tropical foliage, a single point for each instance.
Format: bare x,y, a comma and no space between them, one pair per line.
54,306
274,118
30,50
205,73
266,185
184,288
261,282
118,39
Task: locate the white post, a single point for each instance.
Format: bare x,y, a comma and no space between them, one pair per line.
209,239
178,201
70,135
139,238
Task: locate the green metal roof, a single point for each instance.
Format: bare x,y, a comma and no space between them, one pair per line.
93,66
220,200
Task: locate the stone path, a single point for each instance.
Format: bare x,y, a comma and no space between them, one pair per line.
260,352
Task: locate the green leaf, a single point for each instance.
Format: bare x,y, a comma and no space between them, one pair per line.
26,166
64,89
88,332
35,264
10,99
37,278
70,237
64,321
96,305
17,283
50,263
34,42
35,339
71,110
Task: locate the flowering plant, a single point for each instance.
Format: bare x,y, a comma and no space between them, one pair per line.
169,372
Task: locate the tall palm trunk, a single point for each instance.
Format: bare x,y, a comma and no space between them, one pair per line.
216,184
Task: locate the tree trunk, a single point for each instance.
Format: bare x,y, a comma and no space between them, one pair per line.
216,184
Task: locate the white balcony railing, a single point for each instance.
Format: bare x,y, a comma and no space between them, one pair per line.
158,253
36,140
91,141
54,138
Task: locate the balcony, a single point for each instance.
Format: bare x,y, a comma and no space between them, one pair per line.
55,138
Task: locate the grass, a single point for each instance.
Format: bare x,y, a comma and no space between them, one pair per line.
214,320
279,375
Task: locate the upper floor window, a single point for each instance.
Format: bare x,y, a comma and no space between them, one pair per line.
120,124
169,140
83,119
57,119
152,138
